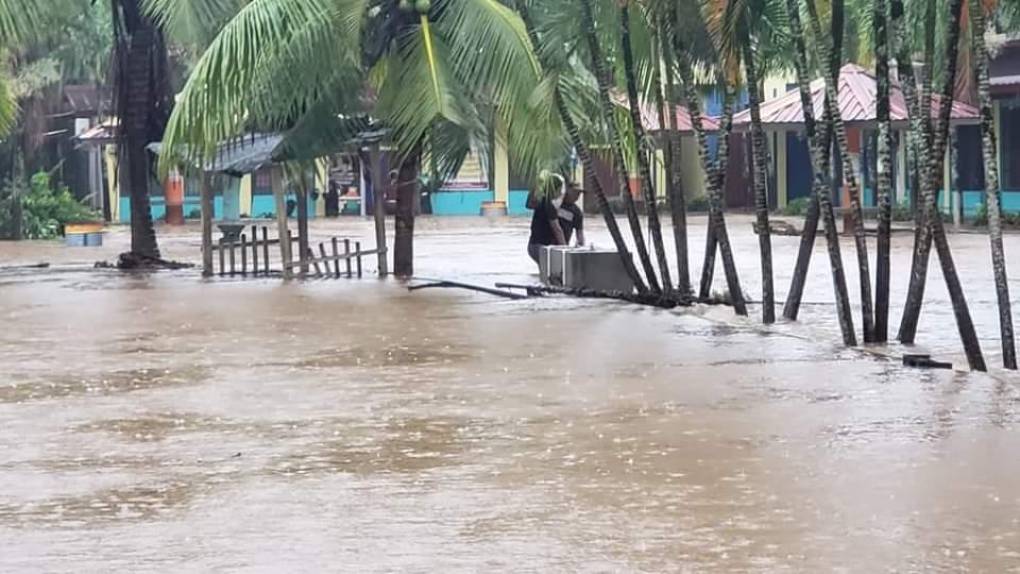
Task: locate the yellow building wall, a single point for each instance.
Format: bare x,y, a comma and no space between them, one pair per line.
690,165
245,195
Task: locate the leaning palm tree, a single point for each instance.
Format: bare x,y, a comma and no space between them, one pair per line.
819,145
642,145
931,229
601,72
831,48
549,59
992,199
308,66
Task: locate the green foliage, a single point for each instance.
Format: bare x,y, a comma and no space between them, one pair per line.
1008,219
697,204
902,212
43,208
797,206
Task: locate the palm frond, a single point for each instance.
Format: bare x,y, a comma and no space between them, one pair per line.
192,22
262,70
8,107
20,21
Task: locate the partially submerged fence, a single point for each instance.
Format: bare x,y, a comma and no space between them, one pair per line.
243,254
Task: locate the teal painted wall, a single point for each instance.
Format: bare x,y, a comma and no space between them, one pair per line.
517,204
261,204
460,202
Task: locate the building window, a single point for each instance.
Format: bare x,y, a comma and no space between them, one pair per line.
970,161
1009,144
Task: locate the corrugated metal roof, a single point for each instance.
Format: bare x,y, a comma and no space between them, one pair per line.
650,116
857,97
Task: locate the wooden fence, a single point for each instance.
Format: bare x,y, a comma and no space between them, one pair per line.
235,256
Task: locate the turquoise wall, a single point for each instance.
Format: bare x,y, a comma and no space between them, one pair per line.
460,202
469,202
974,199
260,204
517,204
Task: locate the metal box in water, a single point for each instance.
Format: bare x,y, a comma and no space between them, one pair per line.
586,268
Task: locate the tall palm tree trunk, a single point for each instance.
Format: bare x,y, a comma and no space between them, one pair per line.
403,220
932,228
143,107
760,179
666,107
926,157
992,199
587,161
622,177
882,263
819,146
717,177
643,151
716,220
833,115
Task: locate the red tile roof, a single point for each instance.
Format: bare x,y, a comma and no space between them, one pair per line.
650,116
857,96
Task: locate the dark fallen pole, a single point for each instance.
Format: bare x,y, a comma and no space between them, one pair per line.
479,288
675,299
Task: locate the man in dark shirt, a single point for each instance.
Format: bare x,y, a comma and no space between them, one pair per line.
545,225
570,216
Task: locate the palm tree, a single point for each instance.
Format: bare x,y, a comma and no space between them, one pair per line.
643,150
717,233
882,264
583,152
665,104
931,228
623,179
819,145
759,177
143,101
992,199
140,81
319,67
831,50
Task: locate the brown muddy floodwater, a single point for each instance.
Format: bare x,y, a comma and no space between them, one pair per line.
163,423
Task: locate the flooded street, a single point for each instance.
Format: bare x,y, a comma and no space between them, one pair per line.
164,423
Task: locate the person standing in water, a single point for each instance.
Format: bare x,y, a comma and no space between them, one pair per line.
545,223
570,216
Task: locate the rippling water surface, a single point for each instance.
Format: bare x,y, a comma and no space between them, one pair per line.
164,423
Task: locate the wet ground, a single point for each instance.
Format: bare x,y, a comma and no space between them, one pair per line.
166,423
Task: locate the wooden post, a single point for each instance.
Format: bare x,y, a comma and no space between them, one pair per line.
347,252
265,247
302,218
311,255
254,250
379,197
281,222
232,244
223,257
336,262
357,250
207,217
244,254
322,253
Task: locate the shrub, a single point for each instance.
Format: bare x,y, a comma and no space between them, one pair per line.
797,206
43,209
901,212
697,204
